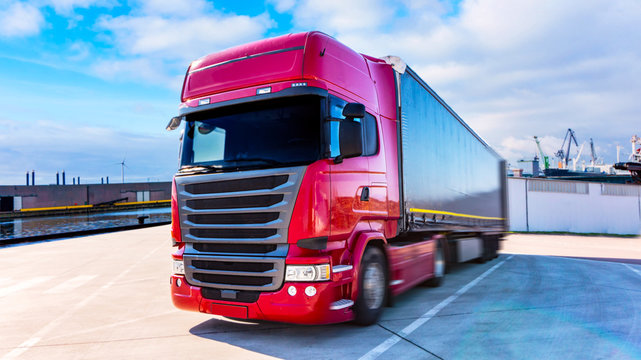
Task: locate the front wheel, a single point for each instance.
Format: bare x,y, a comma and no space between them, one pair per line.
439,267
372,287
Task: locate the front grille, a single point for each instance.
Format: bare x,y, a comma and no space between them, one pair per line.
246,218
233,233
235,227
236,248
236,202
236,185
232,266
232,280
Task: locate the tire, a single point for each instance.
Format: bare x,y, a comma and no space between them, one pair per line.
372,287
439,268
490,244
496,246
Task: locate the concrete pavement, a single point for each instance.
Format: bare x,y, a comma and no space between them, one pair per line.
107,297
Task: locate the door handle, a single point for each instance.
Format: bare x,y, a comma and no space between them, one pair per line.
365,194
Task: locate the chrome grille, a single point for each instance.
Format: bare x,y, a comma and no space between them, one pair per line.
235,227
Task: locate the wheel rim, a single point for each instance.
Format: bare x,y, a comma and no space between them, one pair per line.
374,286
439,264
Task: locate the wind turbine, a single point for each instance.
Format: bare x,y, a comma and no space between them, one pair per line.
122,169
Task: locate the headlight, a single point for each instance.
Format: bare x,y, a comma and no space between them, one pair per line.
307,272
179,267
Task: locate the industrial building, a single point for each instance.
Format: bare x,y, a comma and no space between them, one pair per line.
23,197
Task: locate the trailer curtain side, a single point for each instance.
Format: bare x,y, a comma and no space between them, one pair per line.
450,175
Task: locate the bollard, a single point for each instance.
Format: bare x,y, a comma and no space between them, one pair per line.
27,178
141,219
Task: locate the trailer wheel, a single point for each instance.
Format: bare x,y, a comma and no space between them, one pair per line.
372,287
495,246
439,268
490,245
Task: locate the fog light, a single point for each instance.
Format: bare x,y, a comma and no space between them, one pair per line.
179,282
291,290
179,267
310,291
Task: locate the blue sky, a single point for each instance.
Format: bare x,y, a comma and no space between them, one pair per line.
87,83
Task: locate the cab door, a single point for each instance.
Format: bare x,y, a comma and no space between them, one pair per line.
349,177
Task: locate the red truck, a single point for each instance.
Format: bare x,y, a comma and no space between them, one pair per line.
315,183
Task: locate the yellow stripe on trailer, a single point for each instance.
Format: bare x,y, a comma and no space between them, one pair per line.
438,212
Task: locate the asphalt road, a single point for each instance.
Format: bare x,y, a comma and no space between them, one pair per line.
107,297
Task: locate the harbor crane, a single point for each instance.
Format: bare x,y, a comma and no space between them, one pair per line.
565,155
546,159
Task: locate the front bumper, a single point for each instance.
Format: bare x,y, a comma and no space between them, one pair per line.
279,305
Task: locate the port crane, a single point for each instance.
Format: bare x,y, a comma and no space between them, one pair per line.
565,155
546,159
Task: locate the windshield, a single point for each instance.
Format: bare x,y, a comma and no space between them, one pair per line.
273,133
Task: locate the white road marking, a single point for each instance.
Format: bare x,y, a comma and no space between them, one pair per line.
21,348
633,269
4,281
385,345
116,324
23,285
71,284
35,338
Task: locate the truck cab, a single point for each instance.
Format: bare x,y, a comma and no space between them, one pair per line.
284,165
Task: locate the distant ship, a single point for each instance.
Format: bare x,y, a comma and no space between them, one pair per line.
634,163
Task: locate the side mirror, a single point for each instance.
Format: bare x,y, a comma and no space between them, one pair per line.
174,123
354,111
350,140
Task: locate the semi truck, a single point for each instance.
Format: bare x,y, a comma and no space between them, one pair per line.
317,183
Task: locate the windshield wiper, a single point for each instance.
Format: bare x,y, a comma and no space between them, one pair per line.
265,160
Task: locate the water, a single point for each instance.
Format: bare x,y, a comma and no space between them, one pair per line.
46,225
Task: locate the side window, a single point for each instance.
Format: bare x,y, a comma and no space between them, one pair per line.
370,134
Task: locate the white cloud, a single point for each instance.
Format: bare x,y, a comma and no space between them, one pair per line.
144,69
169,37
510,69
282,5
79,50
67,7
158,40
173,7
20,19
339,16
